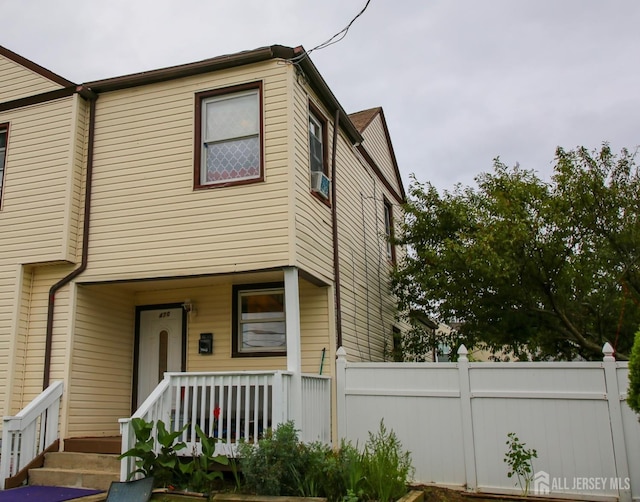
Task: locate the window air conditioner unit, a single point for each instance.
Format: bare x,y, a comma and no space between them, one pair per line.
320,184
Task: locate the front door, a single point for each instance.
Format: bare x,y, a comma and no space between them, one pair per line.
160,346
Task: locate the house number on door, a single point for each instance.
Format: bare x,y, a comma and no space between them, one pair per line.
164,314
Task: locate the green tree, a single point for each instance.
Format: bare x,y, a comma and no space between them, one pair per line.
633,394
542,269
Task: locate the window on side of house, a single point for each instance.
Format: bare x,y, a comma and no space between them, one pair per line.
318,158
229,136
3,151
317,144
259,327
388,231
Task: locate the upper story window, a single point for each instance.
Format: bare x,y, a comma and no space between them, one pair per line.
229,136
317,144
388,231
3,151
259,326
318,164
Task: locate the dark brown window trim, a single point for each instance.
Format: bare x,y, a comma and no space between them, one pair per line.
4,127
388,207
197,154
235,352
319,198
319,116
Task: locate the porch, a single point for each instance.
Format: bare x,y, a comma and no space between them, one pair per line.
230,406
235,406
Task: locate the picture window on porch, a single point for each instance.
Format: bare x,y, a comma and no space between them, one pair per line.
259,327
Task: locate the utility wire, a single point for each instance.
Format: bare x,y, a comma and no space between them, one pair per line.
333,40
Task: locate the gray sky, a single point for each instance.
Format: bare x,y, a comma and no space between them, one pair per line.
460,81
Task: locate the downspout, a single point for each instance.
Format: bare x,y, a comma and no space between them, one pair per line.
334,222
91,97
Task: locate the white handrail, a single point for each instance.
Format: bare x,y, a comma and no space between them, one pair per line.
232,406
30,432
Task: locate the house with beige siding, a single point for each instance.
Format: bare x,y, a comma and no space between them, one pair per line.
191,244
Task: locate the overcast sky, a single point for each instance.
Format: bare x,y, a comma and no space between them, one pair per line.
460,81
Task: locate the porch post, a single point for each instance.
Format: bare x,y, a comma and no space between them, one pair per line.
294,357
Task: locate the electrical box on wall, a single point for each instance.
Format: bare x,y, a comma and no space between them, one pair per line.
205,344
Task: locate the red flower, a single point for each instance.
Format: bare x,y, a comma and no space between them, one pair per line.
216,412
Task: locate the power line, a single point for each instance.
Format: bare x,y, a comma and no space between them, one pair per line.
333,40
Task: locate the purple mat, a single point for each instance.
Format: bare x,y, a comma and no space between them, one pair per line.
44,493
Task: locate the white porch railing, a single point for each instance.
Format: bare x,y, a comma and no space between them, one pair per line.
30,432
231,406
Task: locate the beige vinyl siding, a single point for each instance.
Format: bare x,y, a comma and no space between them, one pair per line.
30,346
76,189
314,329
39,171
99,390
368,308
16,81
367,305
8,283
148,221
17,366
375,142
313,229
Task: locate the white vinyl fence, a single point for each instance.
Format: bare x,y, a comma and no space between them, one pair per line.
454,419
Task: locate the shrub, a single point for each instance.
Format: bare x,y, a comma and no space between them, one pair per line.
268,467
386,467
280,465
633,394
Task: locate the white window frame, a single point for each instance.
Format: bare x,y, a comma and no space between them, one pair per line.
319,125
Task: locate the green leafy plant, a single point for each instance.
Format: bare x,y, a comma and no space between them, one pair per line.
162,465
199,473
633,394
352,466
387,467
196,473
520,460
267,467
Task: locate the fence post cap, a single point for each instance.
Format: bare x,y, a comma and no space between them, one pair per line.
608,351
462,353
342,354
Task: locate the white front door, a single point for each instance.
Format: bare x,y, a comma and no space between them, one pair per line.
159,347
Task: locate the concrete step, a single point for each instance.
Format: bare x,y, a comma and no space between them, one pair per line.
77,479
78,470
87,461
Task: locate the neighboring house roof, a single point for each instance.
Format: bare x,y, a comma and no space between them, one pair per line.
361,120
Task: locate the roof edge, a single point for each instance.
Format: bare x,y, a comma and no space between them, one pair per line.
316,80
36,68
